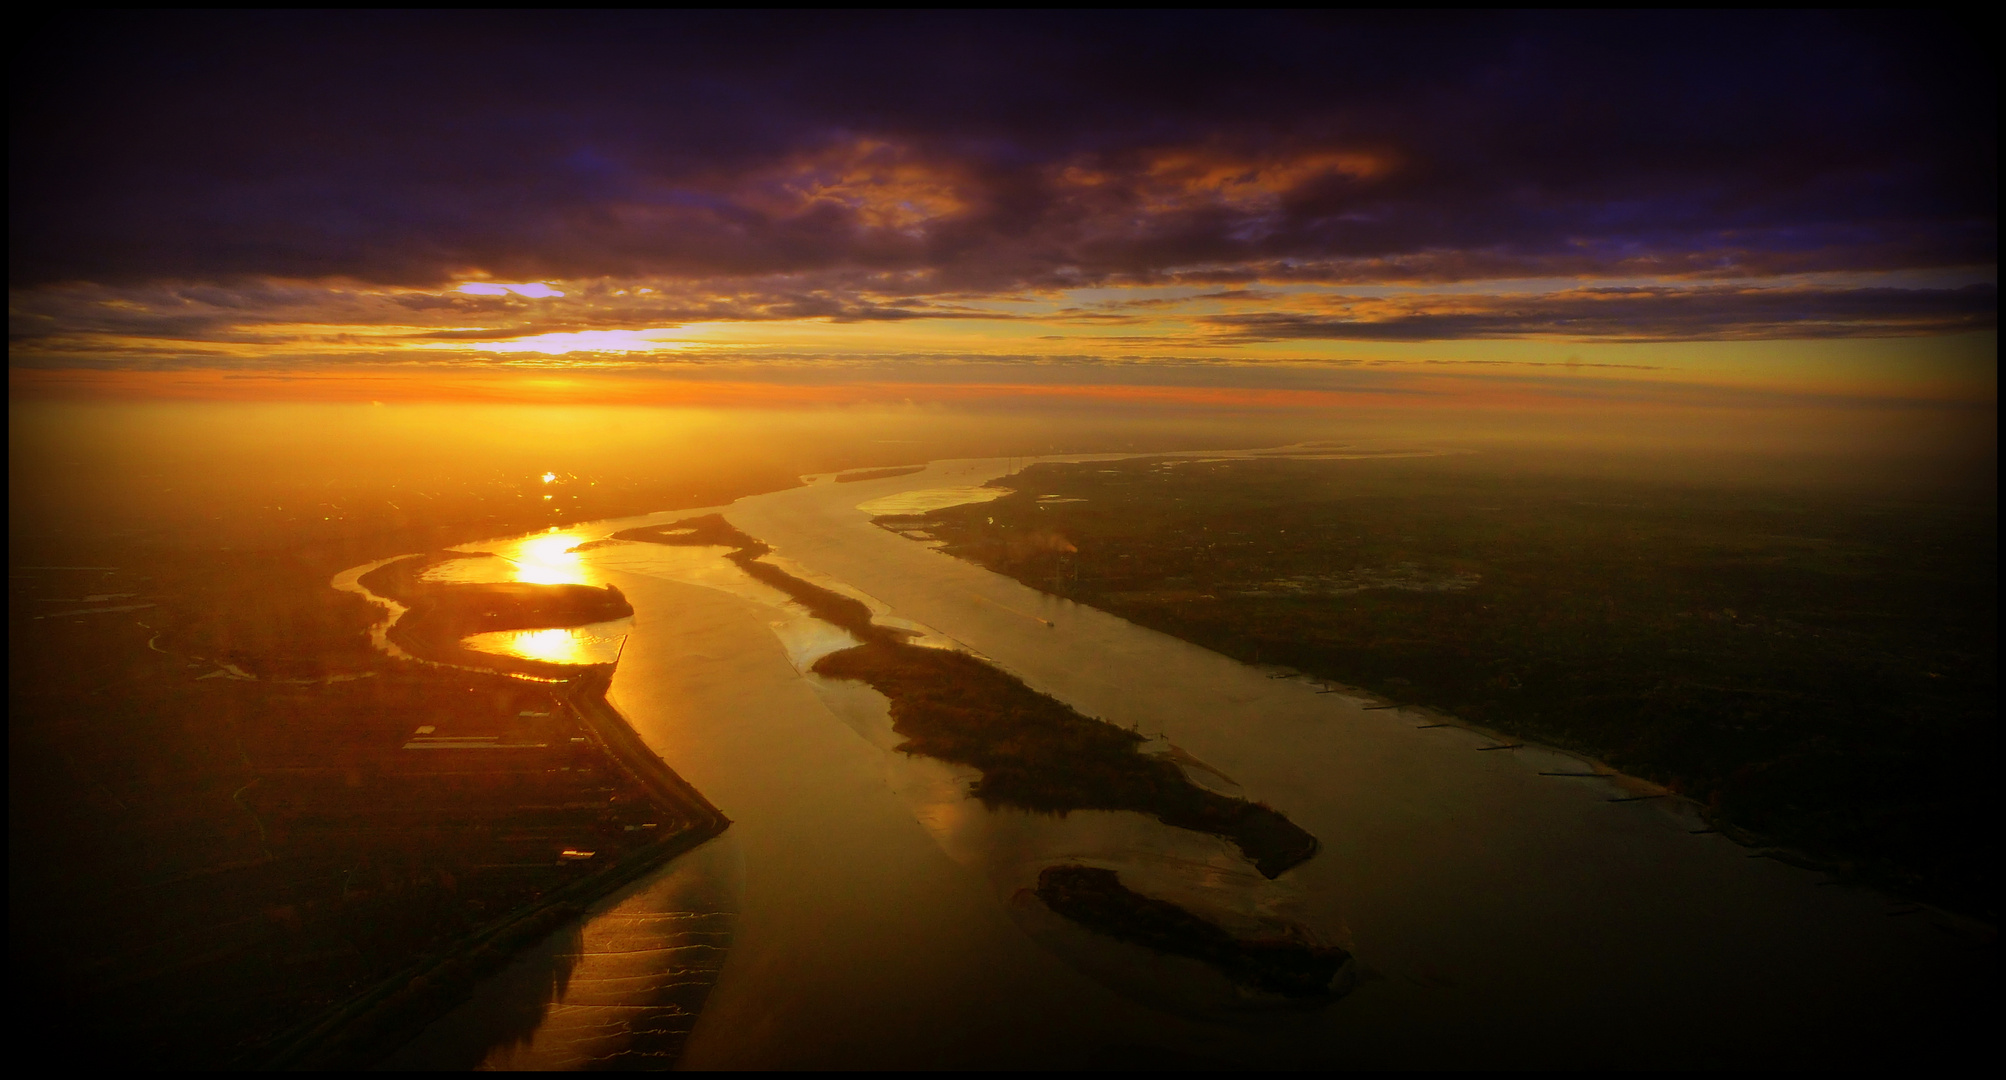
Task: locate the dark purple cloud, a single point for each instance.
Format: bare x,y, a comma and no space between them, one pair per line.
997,151
1638,314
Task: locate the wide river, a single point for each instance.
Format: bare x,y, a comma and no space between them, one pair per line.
862,913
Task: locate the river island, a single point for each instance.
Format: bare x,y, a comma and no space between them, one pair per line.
1037,753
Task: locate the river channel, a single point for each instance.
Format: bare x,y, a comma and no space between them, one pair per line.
862,912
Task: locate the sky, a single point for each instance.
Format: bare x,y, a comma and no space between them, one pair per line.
658,206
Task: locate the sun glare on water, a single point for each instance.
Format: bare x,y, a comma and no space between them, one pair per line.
549,560
579,645
552,646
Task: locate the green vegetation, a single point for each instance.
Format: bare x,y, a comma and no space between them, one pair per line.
1034,751
1819,668
1096,899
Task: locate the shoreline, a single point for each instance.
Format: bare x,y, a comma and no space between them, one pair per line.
1599,769
1631,787
376,1022
1033,752
934,695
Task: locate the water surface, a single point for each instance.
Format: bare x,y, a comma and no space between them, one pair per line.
1500,917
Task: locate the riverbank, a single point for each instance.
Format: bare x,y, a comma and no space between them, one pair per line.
432,620
1811,668
1481,897
373,1023
1095,897
878,474
218,840
1034,752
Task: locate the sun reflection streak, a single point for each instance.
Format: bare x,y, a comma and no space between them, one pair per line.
554,646
579,645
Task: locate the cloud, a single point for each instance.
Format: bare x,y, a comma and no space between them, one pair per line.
1632,314
996,152
535,289
610,320
630,190
250,311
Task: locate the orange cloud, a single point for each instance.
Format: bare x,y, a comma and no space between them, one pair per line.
1179,179
878,184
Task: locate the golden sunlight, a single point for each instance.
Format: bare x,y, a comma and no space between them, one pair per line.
955,410
533,289
555,646
549,560
561,342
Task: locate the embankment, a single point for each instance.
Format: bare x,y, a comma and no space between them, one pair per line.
371,1024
